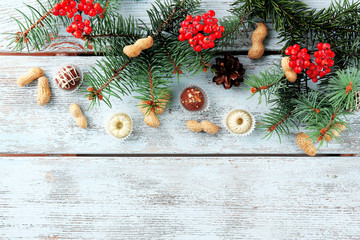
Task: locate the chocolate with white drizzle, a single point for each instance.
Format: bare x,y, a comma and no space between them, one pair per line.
68,78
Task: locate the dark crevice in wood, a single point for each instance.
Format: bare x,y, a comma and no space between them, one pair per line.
88,54
129,155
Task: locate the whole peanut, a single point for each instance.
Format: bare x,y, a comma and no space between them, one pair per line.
141,44
31,75
335,132
205,126
305,144
257,49
43,96
162,103
290,74
152,120
80,119
150,117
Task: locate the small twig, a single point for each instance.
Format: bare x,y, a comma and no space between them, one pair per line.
327,128
268,86
106,6
24,34
168,19
236,27
272,128
112,77
172,61
203,60
151,85
111,35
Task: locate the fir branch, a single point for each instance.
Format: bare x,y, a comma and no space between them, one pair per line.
311,106
233,29
326,125
24,34
167,15
168,19
342,88
105,8
38,29
152,85
113,77
278,121
298,23
176,67
274,126
112,33
267,83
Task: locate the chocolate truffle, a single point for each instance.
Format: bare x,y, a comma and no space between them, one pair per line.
192,99
68,78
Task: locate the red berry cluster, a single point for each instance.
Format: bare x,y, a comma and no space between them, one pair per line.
71,7
191,29
300,60
78,27
65,8
323,60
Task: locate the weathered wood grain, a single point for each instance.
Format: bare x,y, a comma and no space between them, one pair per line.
66,43
180,198
29,128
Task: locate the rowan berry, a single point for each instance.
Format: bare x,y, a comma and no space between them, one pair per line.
69,29
78,18
88,30
92,13
189,18
55,12
77,34
87,22
62,12
81,7
320,46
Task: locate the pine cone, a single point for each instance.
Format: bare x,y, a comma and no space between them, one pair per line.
228,71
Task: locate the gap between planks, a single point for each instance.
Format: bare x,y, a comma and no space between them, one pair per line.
176,155
89,54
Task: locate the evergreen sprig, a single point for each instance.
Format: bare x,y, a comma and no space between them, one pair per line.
38,27
266,83
279,120
113,31
296,22
342,88
152,85
167,52
311,106
318,129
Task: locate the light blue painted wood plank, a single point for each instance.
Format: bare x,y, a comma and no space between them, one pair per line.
28,128
179,198
129,7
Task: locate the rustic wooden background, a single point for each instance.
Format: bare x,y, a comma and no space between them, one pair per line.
58,181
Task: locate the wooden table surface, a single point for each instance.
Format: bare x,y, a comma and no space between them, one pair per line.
58,181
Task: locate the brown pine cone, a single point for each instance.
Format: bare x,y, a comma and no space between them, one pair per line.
228,71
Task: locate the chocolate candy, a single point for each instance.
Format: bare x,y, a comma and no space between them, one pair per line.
68,78
192,99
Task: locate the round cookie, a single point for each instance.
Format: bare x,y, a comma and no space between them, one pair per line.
239,122
120,125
